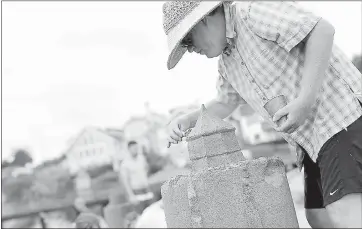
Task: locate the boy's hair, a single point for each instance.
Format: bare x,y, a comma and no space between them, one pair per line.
130,143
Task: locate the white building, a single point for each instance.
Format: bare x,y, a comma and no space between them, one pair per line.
148,131
251,128
95,147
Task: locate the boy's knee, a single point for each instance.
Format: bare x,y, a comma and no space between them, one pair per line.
311,217
347,211
318,218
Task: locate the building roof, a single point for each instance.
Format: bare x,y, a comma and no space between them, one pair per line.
117,134
151,116
110,132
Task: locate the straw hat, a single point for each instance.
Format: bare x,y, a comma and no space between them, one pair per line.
179,17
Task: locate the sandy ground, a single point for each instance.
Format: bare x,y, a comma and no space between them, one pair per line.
153,216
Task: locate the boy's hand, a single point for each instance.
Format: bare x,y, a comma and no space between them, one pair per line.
176,130
296,112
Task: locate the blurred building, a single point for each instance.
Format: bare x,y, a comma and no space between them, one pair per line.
181,110
95,147
58,163
26,170
257,137
8,171
15,171
136,129
251,128
148,130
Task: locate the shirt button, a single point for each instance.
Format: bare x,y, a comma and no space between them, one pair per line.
264,98
252,80
242,63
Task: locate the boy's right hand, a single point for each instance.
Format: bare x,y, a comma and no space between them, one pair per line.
176,130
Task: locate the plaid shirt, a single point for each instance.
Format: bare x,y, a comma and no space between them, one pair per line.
266,60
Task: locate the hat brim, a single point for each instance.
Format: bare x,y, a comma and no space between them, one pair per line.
178,33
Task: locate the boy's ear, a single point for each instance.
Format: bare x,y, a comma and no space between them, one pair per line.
205,20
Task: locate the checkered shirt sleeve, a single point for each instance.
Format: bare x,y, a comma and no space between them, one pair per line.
225,91
284,22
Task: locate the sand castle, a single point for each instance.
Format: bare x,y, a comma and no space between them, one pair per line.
224,189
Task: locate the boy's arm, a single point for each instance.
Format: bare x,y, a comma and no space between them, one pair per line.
318,50
145,163
288,24
116,164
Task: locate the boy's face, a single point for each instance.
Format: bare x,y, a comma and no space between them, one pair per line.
208,37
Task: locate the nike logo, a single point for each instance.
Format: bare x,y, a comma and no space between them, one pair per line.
332,193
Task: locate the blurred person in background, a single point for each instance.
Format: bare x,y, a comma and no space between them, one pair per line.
86,217
278,49
90,220
80,205
133,171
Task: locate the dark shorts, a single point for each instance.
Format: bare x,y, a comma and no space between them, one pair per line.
338,170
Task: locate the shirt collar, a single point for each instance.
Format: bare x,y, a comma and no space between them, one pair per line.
230,27
229,19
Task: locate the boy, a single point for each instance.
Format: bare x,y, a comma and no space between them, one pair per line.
270,50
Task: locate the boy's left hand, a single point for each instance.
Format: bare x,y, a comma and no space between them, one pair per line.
296,111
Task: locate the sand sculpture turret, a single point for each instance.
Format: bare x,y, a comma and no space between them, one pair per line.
225,190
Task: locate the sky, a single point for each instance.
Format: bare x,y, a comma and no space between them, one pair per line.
67,65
